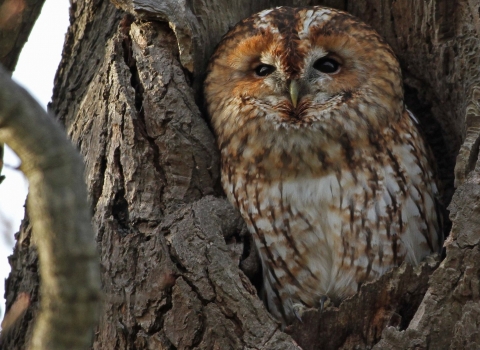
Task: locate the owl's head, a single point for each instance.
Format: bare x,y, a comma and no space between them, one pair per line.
303,67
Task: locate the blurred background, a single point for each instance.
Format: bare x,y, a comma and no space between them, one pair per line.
35,71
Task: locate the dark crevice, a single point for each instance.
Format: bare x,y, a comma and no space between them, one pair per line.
394,29
408,308
193,188
271,336
239,332
119,203
182,269
473,156
174,259
183,273
230,315
217,186
200,334
99,180
195,289
433,134
132,335
97,188
136,83
97,185
161,311
250,263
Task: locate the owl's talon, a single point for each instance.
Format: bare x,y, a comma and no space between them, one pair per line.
298,310
324,299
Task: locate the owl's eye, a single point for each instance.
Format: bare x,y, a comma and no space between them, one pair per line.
326,65
264,69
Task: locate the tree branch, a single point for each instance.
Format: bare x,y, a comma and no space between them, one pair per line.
57,204
17,18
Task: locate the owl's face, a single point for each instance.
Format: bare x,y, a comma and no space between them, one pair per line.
296,68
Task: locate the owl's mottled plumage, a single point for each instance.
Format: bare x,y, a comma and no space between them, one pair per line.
319,153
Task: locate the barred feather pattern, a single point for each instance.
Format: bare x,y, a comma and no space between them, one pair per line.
336,189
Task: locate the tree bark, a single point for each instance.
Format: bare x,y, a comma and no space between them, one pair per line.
128,91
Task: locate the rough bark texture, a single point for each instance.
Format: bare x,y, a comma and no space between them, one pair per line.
359,321
128,93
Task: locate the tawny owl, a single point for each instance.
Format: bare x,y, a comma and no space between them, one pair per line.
320,154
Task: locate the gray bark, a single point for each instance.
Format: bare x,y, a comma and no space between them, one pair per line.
128,91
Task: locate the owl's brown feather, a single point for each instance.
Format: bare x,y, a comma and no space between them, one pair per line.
336,187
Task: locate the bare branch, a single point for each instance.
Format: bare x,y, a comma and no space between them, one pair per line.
17,18
57,203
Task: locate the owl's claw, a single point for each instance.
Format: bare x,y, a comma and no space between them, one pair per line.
323,299
298,310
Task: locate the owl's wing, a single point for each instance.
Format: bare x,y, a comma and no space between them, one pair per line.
442,213
412,116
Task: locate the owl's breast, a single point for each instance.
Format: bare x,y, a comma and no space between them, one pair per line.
324,232
280,155
310,242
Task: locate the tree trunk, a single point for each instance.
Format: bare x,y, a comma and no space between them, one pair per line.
128,91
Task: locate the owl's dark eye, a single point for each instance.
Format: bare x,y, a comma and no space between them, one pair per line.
264,69
326,65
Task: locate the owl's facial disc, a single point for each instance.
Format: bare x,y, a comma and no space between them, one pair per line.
274,76
295,88
313,82
287,90
298,66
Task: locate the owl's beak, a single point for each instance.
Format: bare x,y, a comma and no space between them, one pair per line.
293,89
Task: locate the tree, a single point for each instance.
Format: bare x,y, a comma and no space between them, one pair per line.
128,91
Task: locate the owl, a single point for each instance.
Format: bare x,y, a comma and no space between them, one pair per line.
320,154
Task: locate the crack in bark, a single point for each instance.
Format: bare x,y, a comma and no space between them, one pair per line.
97,188
119,207
136,83
239,332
